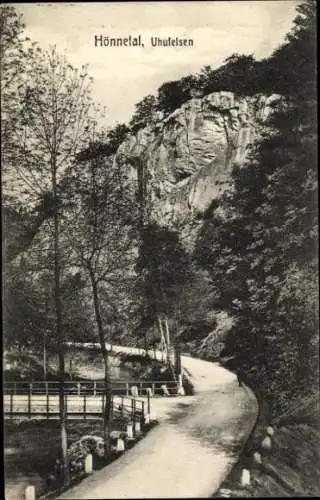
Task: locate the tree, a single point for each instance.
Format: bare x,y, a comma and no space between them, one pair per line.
143,114
164,271
260,246
52,111
15,58
100,242
171,95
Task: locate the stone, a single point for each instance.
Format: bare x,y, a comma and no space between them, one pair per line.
88,464
257,458
266,443
245,478
115,434
134,391
186,152
30,493
225,493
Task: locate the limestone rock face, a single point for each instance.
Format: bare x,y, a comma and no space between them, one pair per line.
188,156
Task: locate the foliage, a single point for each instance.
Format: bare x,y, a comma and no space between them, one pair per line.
15,57
171,95
260,246
164,268
143,114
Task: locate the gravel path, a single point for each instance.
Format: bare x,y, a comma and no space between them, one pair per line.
192,450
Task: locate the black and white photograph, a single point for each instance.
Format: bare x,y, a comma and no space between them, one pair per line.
159,249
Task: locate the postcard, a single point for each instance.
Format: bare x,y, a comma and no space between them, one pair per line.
160,234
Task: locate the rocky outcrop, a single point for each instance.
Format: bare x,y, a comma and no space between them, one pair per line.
188,156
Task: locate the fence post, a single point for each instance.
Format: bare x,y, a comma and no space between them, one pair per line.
149,402
47,405
66,404
111,407
127,389
94,388
84,406
29,403
154,389
11,405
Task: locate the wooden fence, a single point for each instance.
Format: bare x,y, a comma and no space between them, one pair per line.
89,388
47,406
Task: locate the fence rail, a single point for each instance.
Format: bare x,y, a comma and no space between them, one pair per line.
30,405
89,388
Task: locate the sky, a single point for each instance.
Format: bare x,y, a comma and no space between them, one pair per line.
124,75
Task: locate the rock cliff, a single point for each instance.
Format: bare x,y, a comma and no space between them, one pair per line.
188,155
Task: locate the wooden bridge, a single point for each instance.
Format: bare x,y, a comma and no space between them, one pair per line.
47,406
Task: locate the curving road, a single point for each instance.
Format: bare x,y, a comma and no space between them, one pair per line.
194,448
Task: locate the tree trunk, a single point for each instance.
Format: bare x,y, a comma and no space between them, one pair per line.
163,339
171,355
107,414
167,334
44,358
107,411
146,343
60,336
178,358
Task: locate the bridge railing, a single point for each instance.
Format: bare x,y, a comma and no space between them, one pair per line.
89,388
47,405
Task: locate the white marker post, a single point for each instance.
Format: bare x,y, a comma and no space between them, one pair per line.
120,444
245,478
266,443
30,493
130,430
257,458
88,464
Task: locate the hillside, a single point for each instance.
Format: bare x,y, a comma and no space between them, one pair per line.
290,468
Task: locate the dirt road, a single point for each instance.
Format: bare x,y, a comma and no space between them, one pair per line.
192,450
